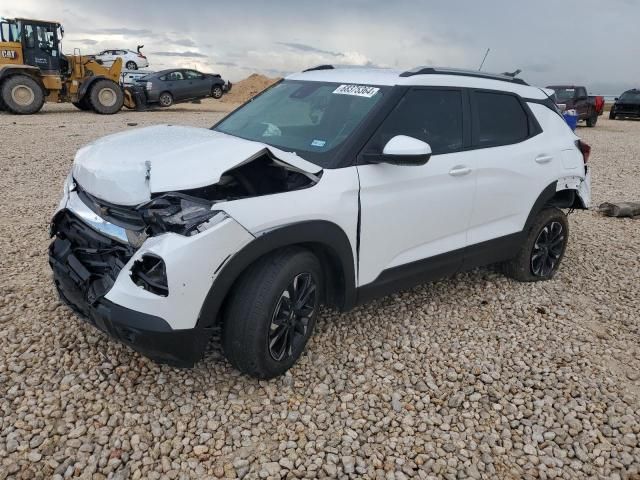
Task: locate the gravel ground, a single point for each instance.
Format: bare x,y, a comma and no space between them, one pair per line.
474,376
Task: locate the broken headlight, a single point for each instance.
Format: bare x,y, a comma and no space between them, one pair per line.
180,213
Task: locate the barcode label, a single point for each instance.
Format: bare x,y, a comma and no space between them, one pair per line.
357,90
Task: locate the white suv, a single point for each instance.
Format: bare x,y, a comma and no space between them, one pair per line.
332,187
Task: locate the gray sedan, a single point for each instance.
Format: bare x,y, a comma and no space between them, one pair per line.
177,85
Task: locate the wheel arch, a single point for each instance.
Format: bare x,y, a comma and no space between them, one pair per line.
86,85
7,71
325,239
552,197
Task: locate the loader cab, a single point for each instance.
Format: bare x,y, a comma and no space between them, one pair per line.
40,42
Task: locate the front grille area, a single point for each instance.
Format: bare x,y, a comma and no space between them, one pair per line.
85,263
125,217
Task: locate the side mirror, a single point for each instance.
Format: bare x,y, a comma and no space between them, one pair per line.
404,150
615,99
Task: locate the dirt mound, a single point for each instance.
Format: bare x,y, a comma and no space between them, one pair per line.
247,88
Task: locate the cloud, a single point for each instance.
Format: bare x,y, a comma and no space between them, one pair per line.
180,54
123,31
537,68
227,64
400,34
86,41
186,42
308,48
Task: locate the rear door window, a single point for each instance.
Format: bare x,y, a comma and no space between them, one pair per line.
175,76
499,119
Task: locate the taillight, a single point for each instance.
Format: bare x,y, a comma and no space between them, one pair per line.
585,149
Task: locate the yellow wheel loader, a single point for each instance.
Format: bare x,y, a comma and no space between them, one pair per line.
34,70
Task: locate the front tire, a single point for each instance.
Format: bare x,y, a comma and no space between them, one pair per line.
543,249
612,116
131,65
591,121
271,313
22,95
216,92
106,97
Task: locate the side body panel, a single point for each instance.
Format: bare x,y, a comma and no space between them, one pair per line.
413,213
510,178
333,199
11,53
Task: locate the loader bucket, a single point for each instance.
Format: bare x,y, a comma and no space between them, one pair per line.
135,98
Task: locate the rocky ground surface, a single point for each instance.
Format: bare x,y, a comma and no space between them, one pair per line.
474,376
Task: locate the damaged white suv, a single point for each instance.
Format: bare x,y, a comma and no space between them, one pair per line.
334,186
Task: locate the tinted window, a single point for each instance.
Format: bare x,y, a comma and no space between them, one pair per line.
191,75
433,116
45,36
30,36
631,96
175,76
501,120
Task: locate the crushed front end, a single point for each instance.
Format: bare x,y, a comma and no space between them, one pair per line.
118,280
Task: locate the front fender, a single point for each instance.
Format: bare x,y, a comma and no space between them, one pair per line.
320,233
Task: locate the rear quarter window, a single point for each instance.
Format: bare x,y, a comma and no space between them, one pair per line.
500,119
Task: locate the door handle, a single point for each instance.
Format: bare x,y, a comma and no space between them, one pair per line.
544,158
459,170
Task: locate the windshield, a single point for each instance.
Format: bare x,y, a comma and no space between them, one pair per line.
630,97
308,118
564,94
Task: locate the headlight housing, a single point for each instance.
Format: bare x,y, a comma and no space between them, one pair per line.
180,213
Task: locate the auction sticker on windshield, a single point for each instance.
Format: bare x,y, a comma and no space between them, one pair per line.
358,90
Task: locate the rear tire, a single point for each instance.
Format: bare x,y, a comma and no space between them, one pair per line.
165,99
543,249
591,121
216,92
22,95
106,97
131,65
271,312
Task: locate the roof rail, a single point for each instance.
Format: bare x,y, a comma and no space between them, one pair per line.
320,67
464,73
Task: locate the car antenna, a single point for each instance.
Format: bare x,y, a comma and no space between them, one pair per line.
484,58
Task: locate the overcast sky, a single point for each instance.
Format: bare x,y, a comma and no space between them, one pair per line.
591,42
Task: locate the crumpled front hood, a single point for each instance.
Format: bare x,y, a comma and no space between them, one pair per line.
127,167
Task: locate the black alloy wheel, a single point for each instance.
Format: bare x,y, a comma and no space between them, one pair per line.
547,249
290,322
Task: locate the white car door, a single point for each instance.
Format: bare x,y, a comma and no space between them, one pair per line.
411,214
515,163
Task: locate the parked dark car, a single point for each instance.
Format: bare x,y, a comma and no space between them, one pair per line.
628,105
181,84
576,98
